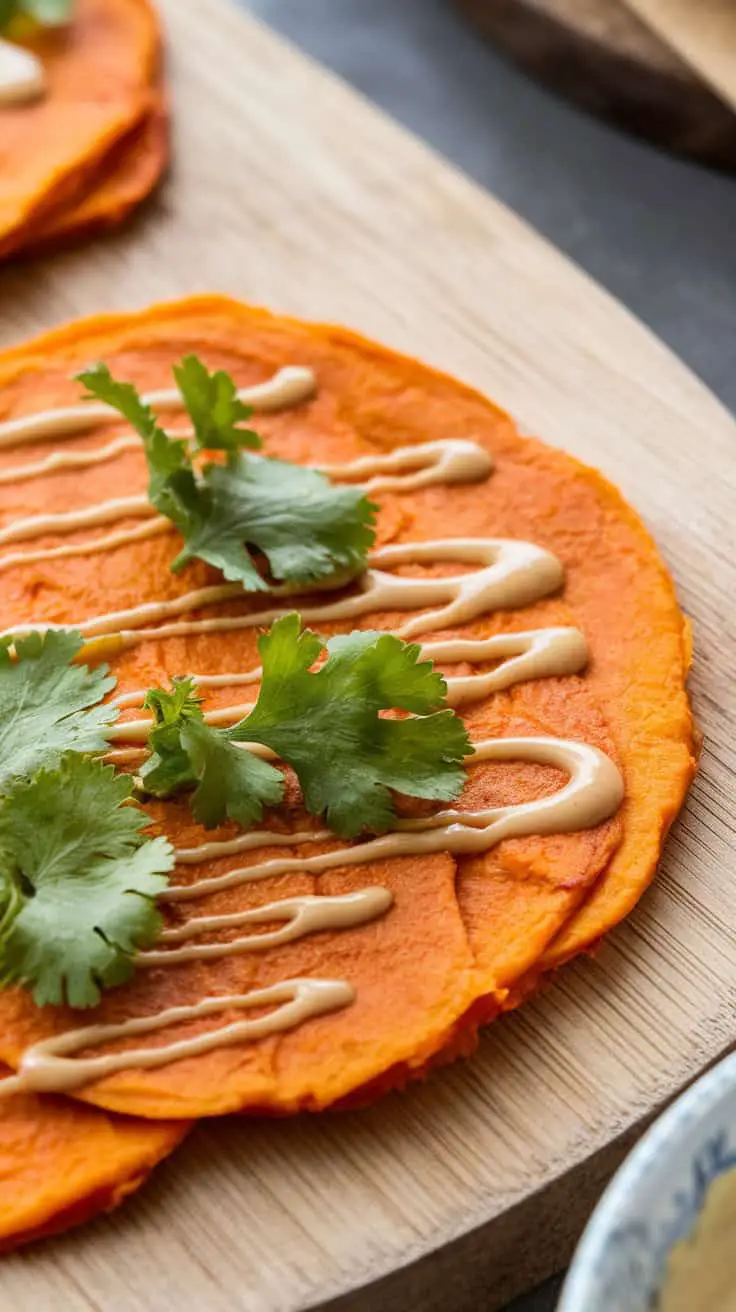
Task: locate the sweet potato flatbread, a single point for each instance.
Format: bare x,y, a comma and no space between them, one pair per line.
62,1163
642,657
455,933
124,179
100,72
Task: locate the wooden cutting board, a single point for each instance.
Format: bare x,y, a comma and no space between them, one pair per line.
291,190
704,35
655,67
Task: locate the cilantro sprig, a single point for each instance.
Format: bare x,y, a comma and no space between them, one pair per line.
214,407
48,704
185,752
327,724
78,880
230,514
77,874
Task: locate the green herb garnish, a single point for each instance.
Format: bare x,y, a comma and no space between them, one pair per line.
186,752
326,724
211,401
46,701
77,882
306,528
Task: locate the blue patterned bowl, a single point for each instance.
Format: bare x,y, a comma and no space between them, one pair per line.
654,1199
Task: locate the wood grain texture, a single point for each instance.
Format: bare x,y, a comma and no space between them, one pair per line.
290,190
604,55
702,34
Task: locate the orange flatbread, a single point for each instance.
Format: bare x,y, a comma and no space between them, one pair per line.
62,1163
642,647
101,73
462,934
124,179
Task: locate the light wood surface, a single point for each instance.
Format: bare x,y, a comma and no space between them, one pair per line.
615,57
290,190
703,34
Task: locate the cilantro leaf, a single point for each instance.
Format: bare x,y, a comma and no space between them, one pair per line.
168,768
304,526
231,781
327,725
45,703
185,751
214,408
173,487
77,882
166,456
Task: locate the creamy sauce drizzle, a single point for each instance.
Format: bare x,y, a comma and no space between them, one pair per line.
454,460
594,792
46,1068
61,460
508,574
234,680
512,573
537,654
287,387
451,461
151,529
22,75
303,915
439,462
72,521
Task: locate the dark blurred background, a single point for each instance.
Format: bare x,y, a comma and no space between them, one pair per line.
658,231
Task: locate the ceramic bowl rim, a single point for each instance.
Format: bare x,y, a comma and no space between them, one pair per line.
692,1107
